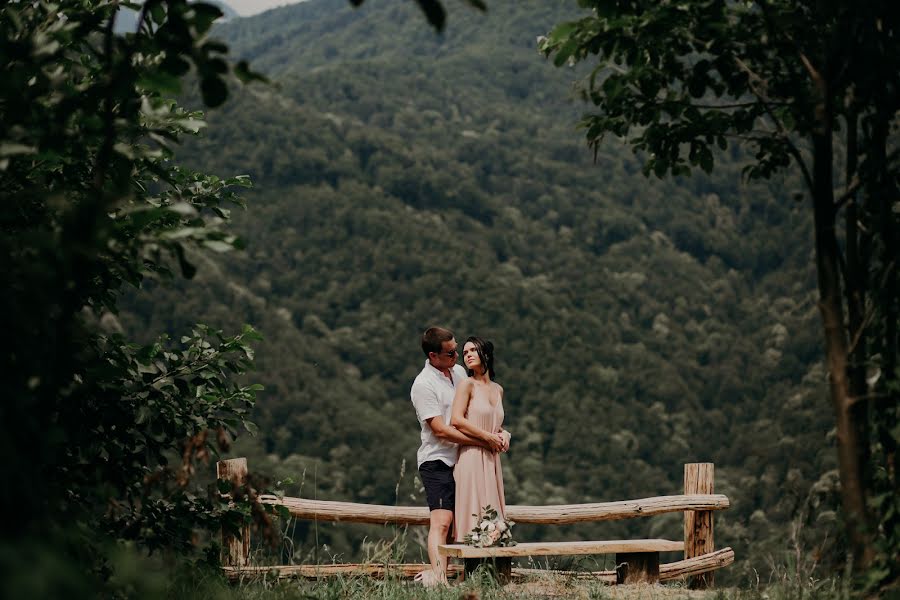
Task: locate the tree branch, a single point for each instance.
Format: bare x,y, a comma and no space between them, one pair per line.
855,183
871,312
109,131
763,98
773,29
143,15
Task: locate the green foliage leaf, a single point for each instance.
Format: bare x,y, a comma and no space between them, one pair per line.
203,15
160,82
243,72
218,245
434,12
187,269
214,90
565,51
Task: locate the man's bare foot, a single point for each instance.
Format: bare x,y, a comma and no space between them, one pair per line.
429,578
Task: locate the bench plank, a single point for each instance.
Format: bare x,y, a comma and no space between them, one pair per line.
563,548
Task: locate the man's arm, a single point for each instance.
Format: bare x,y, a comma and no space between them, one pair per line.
448,433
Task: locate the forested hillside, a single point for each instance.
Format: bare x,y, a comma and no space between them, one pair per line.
403,179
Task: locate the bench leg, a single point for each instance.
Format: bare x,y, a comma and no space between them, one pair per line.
637,567
500,568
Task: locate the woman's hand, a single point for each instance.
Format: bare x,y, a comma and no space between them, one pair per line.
495,442
506,437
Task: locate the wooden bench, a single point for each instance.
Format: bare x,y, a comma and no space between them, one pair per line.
637,561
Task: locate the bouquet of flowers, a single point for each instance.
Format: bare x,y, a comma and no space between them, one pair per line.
491,530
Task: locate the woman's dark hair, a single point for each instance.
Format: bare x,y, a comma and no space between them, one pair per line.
485,350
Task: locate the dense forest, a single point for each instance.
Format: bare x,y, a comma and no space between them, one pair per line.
223,237
403,179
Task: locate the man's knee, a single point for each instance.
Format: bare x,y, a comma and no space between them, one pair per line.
441,520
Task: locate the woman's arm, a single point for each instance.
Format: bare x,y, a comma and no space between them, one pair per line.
458,417
448,433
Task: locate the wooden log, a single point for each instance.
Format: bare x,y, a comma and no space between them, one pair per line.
560,514
667,571
379,571
698,524
350,512
561,548
674,571
235,548
637,567
601,576
697,565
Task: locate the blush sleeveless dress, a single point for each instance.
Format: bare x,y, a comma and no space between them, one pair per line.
479,478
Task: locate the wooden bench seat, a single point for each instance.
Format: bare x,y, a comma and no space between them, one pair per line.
636,560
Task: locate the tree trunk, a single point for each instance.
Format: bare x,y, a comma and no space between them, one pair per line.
856,287
855,271
885,192
847,413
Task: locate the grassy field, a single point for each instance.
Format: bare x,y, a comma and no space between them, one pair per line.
484,588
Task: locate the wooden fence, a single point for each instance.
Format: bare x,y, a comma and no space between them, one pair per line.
697,503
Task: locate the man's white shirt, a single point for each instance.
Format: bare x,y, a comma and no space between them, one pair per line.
432,395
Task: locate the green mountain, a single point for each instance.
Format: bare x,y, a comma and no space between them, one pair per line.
127,18
403,179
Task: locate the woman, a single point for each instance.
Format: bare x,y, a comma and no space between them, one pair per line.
478,412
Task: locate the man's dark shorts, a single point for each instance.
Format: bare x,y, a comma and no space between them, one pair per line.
440,487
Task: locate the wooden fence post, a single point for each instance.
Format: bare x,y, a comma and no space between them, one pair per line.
698,525
235,549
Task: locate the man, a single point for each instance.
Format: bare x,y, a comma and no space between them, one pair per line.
432,395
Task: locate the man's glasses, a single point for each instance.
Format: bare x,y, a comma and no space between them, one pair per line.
449,354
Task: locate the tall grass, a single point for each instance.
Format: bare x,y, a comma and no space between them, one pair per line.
781,585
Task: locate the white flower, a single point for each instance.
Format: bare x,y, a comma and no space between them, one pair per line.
492,530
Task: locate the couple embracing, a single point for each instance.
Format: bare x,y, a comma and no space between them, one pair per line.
461,414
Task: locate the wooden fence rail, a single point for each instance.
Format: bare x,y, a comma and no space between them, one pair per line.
675,571
558,514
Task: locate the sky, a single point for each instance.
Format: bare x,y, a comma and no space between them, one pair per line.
251,7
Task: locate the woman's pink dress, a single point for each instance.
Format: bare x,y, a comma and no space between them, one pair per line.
479,478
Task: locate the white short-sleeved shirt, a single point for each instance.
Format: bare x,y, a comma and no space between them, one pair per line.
432,394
